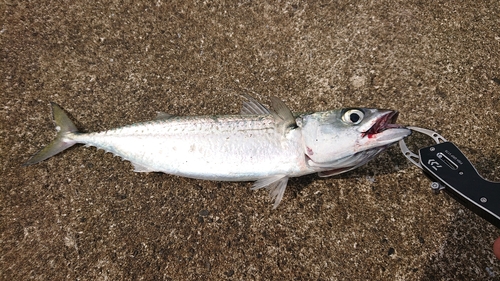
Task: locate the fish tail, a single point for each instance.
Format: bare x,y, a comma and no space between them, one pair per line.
64,126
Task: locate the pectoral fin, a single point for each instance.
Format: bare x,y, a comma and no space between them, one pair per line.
334,172
276,186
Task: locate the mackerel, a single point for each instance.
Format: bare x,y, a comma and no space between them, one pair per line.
264,145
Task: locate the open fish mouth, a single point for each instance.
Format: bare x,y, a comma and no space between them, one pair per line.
385,122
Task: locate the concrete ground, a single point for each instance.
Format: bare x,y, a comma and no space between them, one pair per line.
84,215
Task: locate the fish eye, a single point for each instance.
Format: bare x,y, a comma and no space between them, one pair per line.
353,116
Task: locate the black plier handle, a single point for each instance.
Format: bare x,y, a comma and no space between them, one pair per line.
451,171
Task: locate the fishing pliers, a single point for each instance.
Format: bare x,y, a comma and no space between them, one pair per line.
451,171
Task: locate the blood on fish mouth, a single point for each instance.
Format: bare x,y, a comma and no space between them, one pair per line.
387,121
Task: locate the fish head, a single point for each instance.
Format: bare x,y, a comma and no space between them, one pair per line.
341,140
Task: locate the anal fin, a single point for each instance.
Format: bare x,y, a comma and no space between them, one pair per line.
140,168
276,186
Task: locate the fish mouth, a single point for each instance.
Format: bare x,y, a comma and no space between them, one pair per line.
384,122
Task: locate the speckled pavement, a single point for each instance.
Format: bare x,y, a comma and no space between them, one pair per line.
84,215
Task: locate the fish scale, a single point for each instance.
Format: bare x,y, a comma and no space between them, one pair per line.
202,147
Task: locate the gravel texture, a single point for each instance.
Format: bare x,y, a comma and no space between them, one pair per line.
84,215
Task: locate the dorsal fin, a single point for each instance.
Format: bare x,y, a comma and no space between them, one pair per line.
160,115
252,107
282,113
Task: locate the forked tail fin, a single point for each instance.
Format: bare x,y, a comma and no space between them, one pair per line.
63,126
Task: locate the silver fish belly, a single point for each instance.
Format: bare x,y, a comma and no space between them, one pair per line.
263,145
226,148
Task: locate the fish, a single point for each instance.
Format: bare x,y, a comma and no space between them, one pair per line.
261,144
